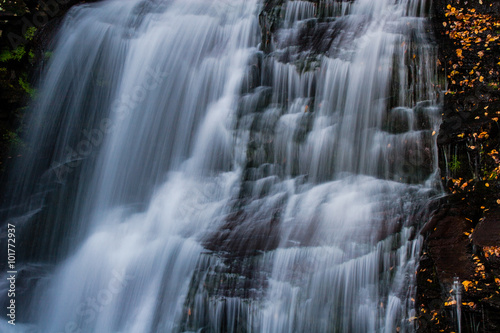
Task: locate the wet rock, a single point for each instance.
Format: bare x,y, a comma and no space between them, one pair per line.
450,250
398,120
303,128
252,77
249,231
424,112
270,20
228,285
256,101
487,232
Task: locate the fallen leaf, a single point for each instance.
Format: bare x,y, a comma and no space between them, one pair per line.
467,284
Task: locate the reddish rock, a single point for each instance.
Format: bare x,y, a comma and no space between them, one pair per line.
448,247
487,232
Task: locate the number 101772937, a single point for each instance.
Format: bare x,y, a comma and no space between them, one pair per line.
11,246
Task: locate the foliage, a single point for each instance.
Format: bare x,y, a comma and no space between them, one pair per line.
474,35
30,33
26,86
454,165
16,54
16,66
13,139
470,59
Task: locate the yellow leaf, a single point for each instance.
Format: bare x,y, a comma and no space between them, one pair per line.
483,135
467,284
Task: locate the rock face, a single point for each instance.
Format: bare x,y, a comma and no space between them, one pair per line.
448,247
462,240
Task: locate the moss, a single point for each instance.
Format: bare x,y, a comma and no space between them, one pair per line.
47,55
13,139
30,33
16,54
27,87
454,165
19,52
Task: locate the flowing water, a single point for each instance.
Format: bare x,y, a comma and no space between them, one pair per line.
181,180
457,297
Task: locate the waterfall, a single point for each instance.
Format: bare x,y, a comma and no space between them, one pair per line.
181,180
457,297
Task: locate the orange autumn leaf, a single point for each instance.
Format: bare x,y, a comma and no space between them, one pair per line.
467,284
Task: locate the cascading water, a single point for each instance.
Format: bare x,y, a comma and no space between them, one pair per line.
184,181
457,297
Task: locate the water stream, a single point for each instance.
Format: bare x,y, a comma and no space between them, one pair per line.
182,180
